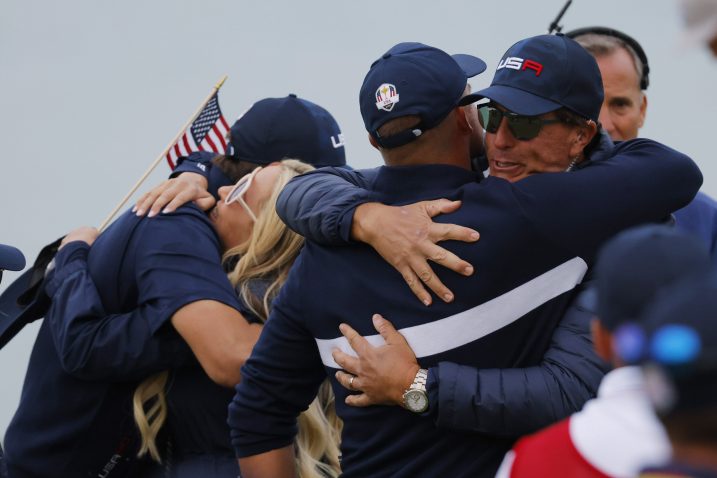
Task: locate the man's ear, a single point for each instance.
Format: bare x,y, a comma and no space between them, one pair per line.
372,141
583,135
602,340
643,109
462,119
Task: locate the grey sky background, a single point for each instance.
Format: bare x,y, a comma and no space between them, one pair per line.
91,91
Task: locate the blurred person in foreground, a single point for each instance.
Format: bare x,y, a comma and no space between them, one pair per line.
677,344
616,434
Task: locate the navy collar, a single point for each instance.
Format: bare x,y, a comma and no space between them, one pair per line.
415,182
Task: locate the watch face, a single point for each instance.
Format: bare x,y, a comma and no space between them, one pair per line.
416,400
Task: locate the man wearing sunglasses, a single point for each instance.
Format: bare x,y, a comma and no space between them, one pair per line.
534,250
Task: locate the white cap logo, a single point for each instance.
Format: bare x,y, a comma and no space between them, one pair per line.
386,97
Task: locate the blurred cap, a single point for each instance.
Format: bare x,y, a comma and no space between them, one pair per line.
680,354
700,19
634,266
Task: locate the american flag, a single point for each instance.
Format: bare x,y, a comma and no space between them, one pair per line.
207,133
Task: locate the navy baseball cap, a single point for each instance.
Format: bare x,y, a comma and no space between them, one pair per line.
414,79
634,266
278,128
545,73
11,258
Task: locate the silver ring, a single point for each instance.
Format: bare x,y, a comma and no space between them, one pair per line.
351,382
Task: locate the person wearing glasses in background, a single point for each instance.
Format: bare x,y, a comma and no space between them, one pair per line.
150,295
534,249
10,259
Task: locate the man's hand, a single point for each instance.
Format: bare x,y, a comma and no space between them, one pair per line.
407,238
85,233
172,193
381,374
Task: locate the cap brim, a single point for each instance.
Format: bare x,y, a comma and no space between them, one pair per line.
11,258
471,65
517,101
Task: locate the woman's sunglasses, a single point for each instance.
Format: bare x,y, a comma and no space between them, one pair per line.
239,191
522,127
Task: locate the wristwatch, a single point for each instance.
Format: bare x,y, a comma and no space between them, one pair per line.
415,399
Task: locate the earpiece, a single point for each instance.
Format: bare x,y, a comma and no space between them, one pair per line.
645,80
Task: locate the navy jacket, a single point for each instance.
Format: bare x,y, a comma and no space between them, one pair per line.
700,218
535,229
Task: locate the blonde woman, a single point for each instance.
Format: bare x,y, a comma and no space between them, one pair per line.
263,249
150,296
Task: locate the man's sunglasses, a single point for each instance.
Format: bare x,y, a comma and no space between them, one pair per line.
522,127
239,191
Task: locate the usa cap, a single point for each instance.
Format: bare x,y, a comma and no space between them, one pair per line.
545,73
278,128
11,258
414,79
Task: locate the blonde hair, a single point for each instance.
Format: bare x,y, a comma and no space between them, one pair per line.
266,256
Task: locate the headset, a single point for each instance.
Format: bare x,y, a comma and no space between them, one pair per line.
645,80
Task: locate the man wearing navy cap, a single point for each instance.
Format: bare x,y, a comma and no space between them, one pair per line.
272,129
617,433
501,317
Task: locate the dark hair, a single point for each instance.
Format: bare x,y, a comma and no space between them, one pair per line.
233,168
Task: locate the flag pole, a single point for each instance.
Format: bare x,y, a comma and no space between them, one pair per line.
151,168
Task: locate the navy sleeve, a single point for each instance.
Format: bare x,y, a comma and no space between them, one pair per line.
700,219
644,181
280,378
199,162
320,205
93,344
517,401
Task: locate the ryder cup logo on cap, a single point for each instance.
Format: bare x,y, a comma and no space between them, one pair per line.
545,73
430,82
386,97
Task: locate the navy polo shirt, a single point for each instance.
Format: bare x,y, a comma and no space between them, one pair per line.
106,330
536,244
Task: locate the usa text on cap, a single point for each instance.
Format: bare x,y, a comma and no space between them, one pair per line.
545,73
